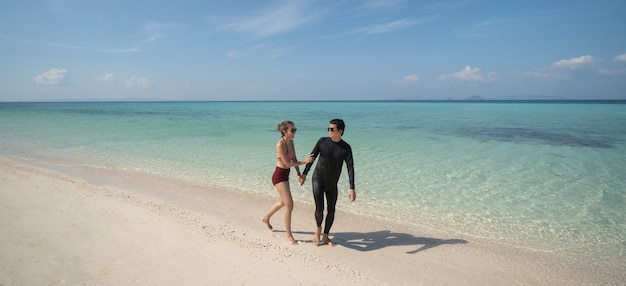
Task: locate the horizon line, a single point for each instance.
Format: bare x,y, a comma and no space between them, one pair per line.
331,100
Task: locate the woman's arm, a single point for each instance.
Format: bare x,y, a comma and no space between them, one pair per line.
281,150
293,147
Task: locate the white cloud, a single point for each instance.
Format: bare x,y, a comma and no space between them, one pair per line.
105,50
409,79
466,74
52,77
386,27
573,62
381,4
155,30
609,72
620,58
133,81
107,77
152,38
565,69
275,20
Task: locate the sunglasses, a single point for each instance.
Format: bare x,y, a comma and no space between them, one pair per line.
331,129
293,130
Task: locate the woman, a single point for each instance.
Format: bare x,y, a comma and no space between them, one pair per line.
286,154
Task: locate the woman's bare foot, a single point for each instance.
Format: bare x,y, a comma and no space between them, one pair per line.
326,240
292,241
316,237
266,220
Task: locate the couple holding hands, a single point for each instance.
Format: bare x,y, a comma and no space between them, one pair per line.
331,152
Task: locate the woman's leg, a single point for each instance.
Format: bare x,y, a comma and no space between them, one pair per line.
286,200
276,179
275,207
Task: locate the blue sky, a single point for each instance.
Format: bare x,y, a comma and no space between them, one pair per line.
311,50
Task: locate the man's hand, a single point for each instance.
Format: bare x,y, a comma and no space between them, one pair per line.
351,195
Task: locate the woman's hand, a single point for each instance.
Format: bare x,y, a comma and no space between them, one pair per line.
308,159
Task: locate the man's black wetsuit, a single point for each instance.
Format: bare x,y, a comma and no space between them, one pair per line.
330,157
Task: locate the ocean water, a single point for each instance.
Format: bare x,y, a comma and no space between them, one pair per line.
549,176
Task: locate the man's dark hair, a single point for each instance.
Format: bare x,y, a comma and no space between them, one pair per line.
340,125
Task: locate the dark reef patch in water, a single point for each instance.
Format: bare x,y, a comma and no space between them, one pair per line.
516,134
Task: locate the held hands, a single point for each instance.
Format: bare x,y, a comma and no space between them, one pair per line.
309,159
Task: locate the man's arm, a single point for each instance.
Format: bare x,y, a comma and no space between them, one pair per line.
315,152
350,165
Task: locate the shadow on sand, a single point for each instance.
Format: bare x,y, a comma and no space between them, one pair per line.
368,241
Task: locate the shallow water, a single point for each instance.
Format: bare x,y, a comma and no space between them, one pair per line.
545,176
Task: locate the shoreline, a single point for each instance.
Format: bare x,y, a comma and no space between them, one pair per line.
105,228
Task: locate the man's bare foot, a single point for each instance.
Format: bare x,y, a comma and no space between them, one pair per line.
327,241
316,237
266,220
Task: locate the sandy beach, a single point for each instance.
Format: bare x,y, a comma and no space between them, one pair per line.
64,226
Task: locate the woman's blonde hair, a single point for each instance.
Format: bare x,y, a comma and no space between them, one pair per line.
283,126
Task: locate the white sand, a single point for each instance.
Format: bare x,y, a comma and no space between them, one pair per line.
76,227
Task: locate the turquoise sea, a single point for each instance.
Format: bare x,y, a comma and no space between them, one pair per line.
548,176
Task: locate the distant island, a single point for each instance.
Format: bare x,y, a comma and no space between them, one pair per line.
519,97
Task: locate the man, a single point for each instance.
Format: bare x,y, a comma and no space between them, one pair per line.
332,151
